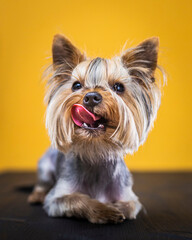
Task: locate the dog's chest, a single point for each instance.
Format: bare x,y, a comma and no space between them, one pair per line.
99,183
104,182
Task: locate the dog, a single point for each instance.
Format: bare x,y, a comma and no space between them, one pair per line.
98,110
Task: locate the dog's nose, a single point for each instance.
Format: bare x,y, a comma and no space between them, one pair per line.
92,99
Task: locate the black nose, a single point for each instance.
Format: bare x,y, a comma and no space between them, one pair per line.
92,99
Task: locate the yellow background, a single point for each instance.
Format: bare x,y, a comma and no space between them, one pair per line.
101,28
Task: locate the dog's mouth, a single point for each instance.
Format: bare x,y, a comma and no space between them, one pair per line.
85,119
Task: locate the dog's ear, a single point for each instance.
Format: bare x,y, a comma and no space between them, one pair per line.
65,54
144,57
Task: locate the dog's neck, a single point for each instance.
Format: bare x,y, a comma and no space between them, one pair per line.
94,152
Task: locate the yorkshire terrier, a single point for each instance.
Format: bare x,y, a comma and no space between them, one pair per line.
98,110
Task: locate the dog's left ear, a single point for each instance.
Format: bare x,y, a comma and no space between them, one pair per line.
65,54
143,56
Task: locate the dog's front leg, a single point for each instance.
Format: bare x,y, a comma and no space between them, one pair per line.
129,205
81,206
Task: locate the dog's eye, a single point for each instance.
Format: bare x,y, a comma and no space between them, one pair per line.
118,87
76,86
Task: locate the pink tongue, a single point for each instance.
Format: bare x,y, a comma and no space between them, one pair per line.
81,115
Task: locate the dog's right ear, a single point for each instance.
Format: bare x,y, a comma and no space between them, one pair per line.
65,54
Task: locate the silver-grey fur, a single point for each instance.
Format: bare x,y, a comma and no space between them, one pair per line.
106,181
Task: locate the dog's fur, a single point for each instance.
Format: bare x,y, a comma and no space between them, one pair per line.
83,174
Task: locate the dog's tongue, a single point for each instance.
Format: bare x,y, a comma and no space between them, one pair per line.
81,115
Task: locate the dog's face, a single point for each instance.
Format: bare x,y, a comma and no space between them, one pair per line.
102,102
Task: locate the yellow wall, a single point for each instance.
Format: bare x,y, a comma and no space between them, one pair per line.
101,28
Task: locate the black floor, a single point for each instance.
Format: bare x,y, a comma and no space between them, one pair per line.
167,198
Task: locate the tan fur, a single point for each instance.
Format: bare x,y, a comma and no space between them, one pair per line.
113,105
82,206
37,196
127,208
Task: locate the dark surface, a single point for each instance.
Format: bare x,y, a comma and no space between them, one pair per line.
167,198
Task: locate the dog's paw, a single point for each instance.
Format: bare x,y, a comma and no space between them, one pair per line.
101,214
130,209
36,197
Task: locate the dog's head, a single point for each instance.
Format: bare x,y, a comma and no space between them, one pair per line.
101,104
